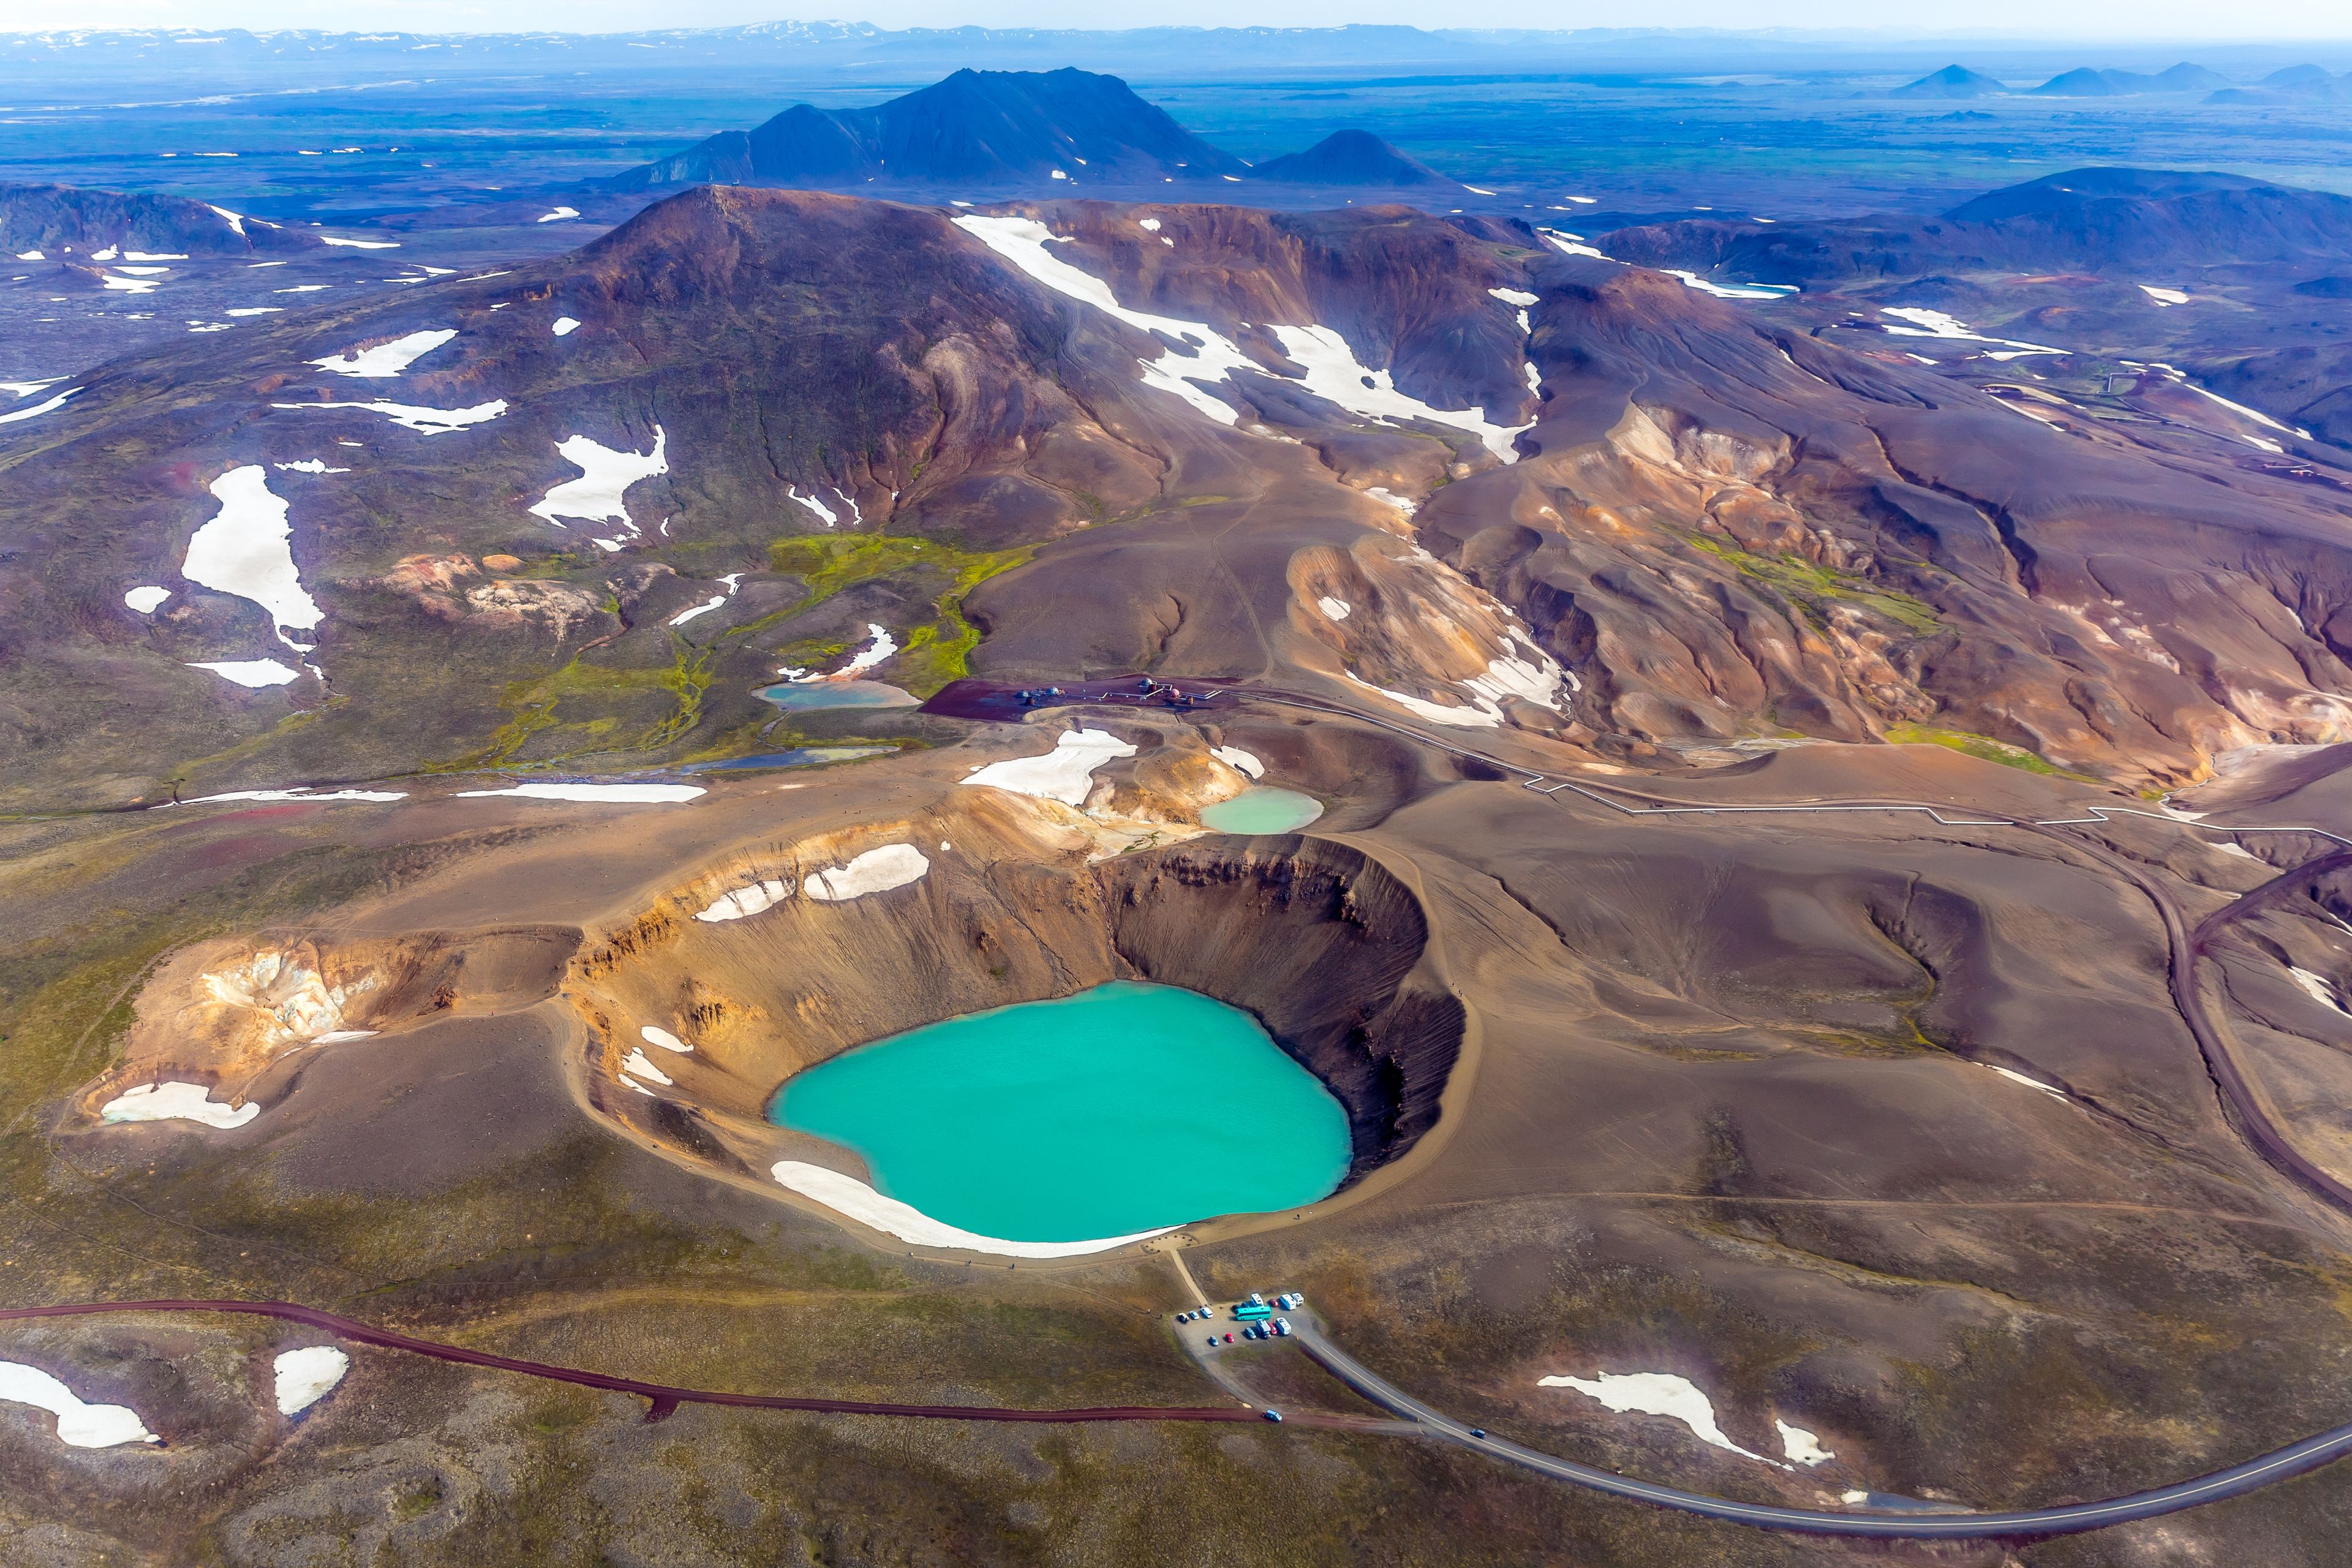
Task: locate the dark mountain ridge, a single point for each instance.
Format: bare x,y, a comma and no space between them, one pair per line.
986,128
1012,130
56,219
2085,219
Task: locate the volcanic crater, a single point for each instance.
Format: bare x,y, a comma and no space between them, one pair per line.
1326,947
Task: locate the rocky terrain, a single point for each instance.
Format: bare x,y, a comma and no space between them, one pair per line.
1829,892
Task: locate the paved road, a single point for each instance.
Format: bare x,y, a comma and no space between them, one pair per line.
664,1397
2072,1519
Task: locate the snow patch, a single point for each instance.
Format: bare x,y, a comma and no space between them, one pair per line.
359,244
145,600
2029,1082
250,673
598,495
1654,1394
559,214
79,1425
1335,609
176,1103
246,549
1800,1447
848,1196
1064,774
309,466
565,326
1336,375
40,408
1239,761
298,792
742,902
385,360
1023,241
1926,324
876,871
2316,987
2163,296
665,1040
423,421
636,793
305,1377
642,1065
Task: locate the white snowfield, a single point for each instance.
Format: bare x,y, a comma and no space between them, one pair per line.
52,406
1335,609
848,1196
1655,1394
359,244
751,900
1336,375
246,549
304,1376
253,674
309,466
1800,1447
623,793
2316,987
298,792
1569,243
1064,774
2163,296
643,1067
1022,241
176,1103
1732,290
2034,1083
559,214
1927,324
1241,762
386,359
598,494
880,645
665,1040
79,1425
565,326
1537,679
147,599
1333,372
691,611
875,871
423,421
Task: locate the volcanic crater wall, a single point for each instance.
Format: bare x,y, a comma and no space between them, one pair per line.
1322,944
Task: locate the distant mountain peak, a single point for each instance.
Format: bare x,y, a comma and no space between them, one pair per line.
1952,81
1350,157
974,129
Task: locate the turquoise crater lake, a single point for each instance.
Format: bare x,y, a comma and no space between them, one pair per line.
1123,1109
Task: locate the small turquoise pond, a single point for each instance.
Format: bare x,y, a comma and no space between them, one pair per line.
1123,1109
1262,809
803,697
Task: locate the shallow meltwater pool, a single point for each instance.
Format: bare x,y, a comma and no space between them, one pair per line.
803,696
1262,809
1123,1110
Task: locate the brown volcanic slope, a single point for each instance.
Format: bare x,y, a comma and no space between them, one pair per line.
1720,529
1707,1095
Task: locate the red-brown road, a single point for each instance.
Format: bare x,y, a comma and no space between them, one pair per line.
665,1399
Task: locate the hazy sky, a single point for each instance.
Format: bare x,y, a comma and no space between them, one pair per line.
2137,20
